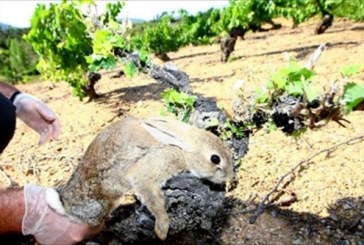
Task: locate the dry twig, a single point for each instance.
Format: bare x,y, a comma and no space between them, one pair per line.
315,56
60,157
215,237
10,182
264,203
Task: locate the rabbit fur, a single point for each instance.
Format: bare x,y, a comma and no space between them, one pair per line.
139,156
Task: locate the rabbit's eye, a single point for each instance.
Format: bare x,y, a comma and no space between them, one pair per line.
215,159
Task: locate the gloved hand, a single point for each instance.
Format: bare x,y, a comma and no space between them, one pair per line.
46,225
37,115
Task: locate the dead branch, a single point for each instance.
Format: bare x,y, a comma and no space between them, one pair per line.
9,181
217,240
264,203
24,149
315,56
60,157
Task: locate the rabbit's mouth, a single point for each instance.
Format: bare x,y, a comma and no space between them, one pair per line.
213,185
191,179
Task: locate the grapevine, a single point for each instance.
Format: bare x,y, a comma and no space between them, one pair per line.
291,102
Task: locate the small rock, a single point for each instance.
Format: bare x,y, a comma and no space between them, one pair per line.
346,207
297,242
274,213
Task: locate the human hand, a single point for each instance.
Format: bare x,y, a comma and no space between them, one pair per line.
45,224
38,116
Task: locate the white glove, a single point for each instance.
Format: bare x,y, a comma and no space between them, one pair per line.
46,225
38,116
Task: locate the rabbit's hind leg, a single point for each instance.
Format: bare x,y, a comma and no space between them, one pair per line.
154,200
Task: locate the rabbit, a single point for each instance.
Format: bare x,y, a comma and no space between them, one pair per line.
139,155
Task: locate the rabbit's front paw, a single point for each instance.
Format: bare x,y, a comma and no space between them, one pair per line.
161,227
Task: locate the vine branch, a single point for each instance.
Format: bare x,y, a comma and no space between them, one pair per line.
264,203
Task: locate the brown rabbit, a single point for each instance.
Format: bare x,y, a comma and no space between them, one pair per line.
139,155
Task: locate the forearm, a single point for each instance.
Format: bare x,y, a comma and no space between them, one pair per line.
7,89
12,209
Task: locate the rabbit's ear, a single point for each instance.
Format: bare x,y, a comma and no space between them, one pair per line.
169,131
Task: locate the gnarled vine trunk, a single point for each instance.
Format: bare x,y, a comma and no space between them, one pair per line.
324,24
163,56
227,46
89,88
191,203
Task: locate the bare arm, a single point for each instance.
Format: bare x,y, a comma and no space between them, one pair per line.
12,209
7,89
41,221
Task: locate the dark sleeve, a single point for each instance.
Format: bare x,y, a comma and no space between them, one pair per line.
7,121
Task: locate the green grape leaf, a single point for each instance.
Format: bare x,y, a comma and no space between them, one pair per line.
295,89
272,126
348,71
130,69
297,75
311,92
108,63
298,133
353,95
279,79
262,96
90,2
181,104
163,111
143,55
